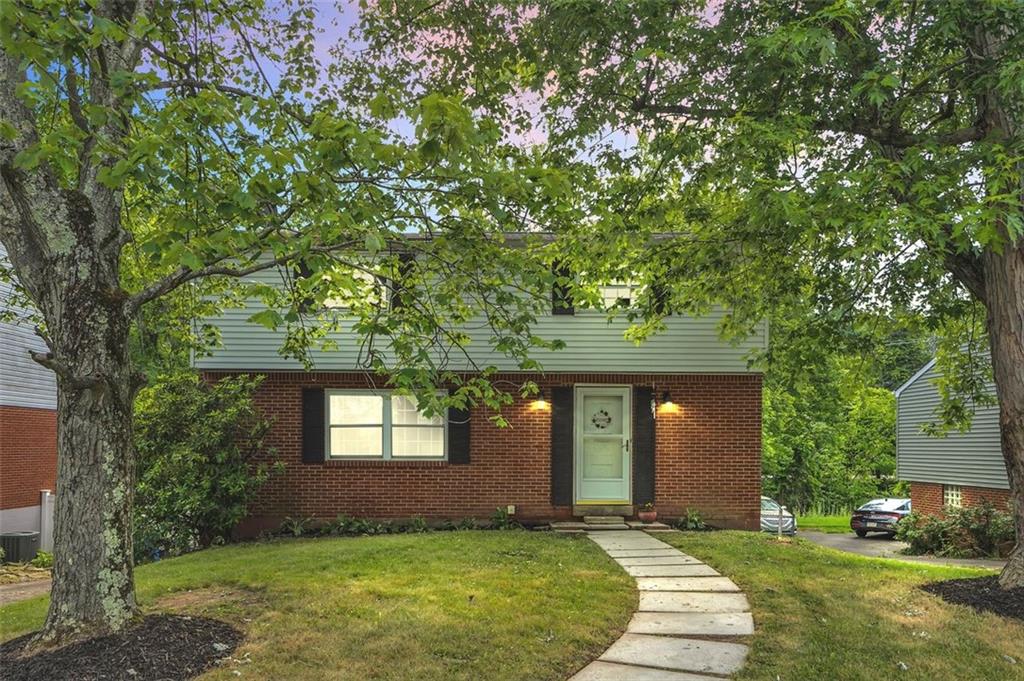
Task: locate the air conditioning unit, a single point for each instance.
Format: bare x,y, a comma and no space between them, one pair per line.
19,547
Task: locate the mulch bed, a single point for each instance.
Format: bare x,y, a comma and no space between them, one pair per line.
982,593
158,648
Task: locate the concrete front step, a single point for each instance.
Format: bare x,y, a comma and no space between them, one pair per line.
692,623
569,526
611,671
621,510
677,654
605,520
648,527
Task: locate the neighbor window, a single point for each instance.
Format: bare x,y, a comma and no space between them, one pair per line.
952,496
362,424
617,293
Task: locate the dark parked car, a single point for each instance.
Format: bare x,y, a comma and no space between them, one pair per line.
879,515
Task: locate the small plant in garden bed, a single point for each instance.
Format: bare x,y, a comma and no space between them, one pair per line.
691,521
43,559
344,525
502,520
296,526
975,532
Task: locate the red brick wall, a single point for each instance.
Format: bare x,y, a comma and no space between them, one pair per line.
708,456
28,455
926,497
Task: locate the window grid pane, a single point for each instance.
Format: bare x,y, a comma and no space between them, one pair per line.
417,441
404,412
353,410
357,441
952,496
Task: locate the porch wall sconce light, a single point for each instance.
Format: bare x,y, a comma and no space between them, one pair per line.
540,402
667,405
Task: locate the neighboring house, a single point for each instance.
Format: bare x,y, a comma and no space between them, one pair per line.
959,469
675,421
28,427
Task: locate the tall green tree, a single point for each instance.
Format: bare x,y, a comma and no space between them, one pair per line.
153,152
854,155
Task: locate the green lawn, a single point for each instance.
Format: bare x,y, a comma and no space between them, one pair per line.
832,524
823,614
452,605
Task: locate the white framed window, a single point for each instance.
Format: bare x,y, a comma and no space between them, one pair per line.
364,424
952,496
617,293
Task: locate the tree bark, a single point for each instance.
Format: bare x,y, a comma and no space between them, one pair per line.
1004,286
93,585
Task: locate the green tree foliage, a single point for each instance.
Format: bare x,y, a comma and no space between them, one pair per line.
829,443
154,154
843,157
202,458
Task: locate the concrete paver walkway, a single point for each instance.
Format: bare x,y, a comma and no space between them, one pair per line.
688,613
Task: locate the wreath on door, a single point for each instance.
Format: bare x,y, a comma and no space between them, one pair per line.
602,419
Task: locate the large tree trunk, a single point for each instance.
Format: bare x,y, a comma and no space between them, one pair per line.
93,587
1004,288
88,328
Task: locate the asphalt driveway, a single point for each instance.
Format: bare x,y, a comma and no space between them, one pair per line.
880,546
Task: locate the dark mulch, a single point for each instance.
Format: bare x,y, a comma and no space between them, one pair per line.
158,648
982,593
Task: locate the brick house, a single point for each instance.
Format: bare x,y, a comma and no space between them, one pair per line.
28,427
959,469
675,421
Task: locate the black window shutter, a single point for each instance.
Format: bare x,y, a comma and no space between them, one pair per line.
313,424
561,293
300,272
400,283
458,436
659,298
643,446
561,445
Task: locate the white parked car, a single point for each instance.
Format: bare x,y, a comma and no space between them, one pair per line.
770,518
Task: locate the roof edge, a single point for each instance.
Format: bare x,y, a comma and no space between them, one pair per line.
912,379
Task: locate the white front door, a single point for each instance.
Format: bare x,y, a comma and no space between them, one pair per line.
602,444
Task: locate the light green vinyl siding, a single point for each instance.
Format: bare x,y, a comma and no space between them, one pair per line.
688,345
973,458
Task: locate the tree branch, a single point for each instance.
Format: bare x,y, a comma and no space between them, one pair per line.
201,85
877,133
67,377
184,275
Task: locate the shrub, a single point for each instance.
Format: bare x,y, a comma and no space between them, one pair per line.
200,461
43,559
973,532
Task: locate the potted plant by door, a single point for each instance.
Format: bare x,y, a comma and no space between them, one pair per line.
647,514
